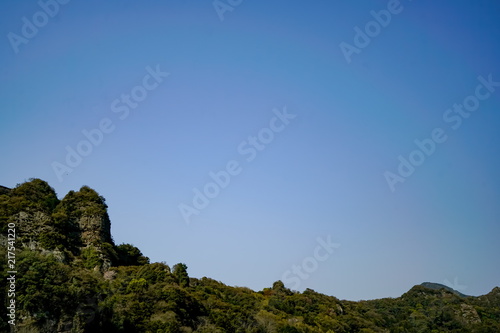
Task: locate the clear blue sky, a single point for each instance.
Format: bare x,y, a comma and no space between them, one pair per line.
322,175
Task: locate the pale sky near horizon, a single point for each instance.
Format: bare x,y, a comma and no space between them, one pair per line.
418,71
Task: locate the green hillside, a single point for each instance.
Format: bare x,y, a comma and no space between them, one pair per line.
72,277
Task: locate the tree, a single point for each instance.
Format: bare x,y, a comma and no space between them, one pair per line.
181,275
129,255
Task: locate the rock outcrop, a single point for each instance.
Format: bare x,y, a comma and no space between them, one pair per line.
79,223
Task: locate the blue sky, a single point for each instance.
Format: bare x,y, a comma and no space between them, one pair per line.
321,176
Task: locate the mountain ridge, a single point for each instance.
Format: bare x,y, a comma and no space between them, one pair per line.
438,286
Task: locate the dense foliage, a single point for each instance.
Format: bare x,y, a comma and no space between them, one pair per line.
83,282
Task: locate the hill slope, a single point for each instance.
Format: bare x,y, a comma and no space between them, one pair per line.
71,277
438,286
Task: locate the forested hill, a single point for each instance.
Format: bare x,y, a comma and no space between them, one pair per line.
72,277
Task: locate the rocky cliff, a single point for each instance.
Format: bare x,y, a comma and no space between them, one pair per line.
76,225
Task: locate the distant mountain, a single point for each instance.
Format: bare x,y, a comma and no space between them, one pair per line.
438,286
70,276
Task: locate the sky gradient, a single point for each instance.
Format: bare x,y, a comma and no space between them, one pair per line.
321,173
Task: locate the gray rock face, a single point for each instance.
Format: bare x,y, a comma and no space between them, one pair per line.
468,314
30,224
94,229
